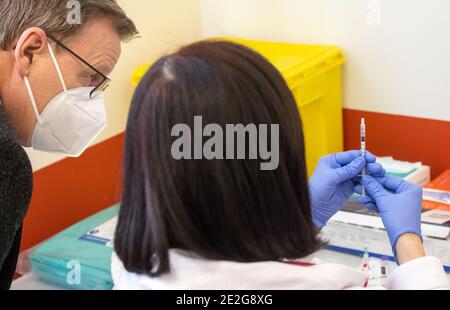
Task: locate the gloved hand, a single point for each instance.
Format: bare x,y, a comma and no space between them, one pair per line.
334,180
398,202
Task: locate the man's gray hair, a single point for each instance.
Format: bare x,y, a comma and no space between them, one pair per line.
60,18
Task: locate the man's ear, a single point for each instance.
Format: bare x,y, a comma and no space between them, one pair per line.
32,42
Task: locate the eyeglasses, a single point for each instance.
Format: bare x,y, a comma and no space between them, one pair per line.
105,81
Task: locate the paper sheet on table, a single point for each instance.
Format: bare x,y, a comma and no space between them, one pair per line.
103,234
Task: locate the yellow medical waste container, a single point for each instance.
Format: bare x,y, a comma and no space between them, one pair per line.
313,73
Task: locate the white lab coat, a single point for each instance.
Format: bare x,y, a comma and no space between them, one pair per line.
189,272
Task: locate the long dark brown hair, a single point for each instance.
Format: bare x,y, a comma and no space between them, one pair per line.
218,209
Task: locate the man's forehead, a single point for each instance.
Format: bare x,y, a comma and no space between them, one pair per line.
98,40
103,53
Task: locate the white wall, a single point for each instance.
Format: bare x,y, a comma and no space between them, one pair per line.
399,66
163,25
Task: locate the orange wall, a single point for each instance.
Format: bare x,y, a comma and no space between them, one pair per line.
73,189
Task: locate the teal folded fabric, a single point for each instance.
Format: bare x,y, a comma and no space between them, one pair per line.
50,260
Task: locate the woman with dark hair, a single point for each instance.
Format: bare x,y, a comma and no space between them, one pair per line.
201,210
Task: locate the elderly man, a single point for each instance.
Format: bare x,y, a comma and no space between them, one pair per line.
55,57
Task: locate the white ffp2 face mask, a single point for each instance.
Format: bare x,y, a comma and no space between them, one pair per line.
71,120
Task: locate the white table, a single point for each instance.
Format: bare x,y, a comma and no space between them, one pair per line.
30,282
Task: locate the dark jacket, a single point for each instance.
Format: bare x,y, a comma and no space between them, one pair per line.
16,185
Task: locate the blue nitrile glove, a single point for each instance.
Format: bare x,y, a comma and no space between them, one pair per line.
398,202
334,180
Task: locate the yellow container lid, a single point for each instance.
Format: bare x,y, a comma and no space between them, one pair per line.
297,62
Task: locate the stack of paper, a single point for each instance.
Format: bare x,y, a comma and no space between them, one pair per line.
79,257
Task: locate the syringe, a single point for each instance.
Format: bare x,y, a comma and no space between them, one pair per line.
363,148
